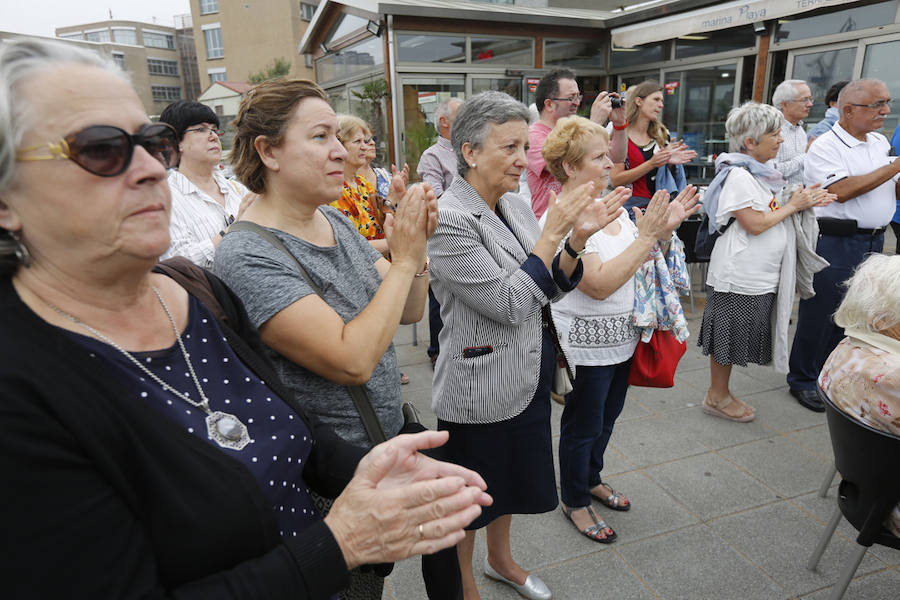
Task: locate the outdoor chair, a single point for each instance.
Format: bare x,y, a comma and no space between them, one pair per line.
866,458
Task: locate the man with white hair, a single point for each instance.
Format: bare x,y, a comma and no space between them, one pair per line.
853,162
794,99
437,165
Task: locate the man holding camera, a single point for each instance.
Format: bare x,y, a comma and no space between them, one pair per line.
557,96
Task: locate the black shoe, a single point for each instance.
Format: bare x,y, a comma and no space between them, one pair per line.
809,399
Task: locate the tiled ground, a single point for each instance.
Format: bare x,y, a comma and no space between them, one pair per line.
721,510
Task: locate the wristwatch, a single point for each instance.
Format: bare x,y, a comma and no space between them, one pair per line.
571,251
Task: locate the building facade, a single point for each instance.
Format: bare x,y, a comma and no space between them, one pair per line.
235,39
154,56
394,61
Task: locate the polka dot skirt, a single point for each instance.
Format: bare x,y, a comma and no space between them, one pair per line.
280,441
737,329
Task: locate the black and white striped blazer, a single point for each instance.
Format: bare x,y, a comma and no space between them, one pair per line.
486,300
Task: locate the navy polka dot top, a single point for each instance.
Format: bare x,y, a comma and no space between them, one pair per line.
280,441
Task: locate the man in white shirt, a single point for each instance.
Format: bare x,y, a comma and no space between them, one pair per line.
853,162
204,201
794,99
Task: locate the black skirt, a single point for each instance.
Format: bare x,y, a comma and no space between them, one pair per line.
515,456
737,328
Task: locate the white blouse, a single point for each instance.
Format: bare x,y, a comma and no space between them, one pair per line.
600,332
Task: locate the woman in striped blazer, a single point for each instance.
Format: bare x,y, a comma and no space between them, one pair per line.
493,273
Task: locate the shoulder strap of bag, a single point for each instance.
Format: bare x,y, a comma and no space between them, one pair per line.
357,392
548,319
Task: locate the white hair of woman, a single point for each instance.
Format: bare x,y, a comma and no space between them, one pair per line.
751,120
872,300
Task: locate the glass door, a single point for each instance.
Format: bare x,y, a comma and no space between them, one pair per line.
510,85
696,103
820,68
421,96
880,62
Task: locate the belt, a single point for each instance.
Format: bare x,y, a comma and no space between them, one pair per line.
872,232
845,228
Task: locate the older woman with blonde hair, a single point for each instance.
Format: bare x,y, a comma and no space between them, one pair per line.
142,437
862,374
595,321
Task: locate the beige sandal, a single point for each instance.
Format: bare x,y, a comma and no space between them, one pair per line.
717,411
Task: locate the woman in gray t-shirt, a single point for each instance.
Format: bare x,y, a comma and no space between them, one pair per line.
287,151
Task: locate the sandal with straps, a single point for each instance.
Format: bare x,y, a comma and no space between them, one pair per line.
718,410
599,528
615,500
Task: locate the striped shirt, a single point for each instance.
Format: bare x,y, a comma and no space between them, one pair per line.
197,218
491,291
789,160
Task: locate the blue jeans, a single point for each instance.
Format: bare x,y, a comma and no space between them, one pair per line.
592,407
816,334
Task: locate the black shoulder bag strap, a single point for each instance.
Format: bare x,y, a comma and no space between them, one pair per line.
357,392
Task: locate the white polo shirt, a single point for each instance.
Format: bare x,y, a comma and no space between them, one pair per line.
836,155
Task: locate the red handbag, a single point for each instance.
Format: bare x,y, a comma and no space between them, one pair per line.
654,362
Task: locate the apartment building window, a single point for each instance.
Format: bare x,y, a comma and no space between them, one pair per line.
217,74
74,35
212,33
119,59
165,93
209,6
159,66
125,36
307,11
97,36
155,39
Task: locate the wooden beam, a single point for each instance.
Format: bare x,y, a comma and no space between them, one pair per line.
759,76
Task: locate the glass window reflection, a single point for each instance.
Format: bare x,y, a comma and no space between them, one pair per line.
431,48
574,53
508,51
820,70
363,57
839,21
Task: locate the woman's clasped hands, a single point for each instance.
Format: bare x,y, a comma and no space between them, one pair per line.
401,503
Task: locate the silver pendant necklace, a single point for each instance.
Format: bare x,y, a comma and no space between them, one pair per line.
223,428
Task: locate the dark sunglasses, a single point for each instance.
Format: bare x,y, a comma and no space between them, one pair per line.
107,151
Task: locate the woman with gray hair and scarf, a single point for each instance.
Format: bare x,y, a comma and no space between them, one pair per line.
494,273
748,200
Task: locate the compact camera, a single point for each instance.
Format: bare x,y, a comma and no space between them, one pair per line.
616,102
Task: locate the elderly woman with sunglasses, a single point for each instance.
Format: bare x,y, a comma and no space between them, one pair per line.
204,201
147,449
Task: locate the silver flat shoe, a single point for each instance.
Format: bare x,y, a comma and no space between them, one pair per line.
534,588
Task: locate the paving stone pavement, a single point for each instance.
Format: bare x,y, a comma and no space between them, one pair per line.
720,511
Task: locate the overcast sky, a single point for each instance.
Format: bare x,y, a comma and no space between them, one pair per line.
42,17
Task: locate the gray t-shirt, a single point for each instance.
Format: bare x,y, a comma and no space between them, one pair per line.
268,281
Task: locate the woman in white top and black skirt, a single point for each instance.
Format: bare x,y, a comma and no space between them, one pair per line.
745,265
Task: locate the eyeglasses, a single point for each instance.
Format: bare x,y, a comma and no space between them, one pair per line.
806,100
572,99
206,131
371,140
875,105
107,151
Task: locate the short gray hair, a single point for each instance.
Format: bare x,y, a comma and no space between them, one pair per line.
872,300
786,91
854,88
445,108
475,116
19,60
751,120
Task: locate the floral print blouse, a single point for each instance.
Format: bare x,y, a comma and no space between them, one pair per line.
359,205
862,377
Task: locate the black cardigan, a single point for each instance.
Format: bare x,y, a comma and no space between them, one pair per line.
102,498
